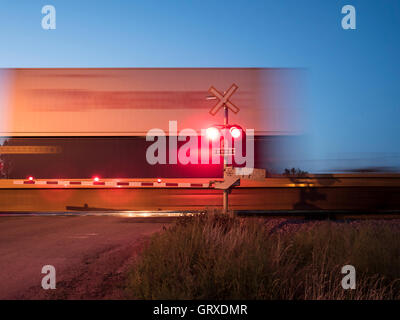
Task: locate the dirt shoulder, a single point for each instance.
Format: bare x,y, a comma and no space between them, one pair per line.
100,275
91,255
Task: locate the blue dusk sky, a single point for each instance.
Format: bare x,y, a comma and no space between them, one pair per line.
353,76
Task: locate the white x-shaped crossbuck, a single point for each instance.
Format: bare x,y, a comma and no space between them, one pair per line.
224,99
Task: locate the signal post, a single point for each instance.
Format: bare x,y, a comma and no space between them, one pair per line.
231,177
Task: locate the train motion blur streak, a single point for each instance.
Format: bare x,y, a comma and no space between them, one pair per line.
96,120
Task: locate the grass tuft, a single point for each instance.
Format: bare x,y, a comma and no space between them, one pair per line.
216,257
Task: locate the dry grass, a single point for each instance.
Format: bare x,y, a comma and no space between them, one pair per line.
217,257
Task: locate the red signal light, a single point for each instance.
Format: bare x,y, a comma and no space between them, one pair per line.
96,179
235,132
30,178
159,180
212,133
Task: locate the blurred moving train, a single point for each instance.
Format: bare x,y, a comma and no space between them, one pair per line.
80,123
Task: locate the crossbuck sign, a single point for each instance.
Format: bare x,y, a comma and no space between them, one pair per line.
224,99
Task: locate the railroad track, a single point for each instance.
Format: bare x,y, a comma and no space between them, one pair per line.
323,214
298,214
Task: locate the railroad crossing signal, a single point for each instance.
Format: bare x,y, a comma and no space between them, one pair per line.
224,102
224,99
